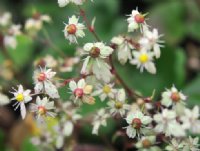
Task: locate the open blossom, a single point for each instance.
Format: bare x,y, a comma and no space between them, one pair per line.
42,79
172,97
123,49
104,91
36,22
21,96
10,40
81,92
191,120
43,108
63,3
73,29
5,19
192,144
118,104
97,52
138,123
150,40
175,145
166,123
4,100
99,120
147,143
144,59
136,20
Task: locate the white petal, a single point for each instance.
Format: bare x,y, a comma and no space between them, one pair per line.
72,85
23,110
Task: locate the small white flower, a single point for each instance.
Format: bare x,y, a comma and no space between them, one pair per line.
175,145
166,123
118,104
147,143
136,20
137,124
99,120
42,79
10,42
5,19
192,144
191,120
36,22
21,96
97,52
81,92
104,91
73,29
144,59
172,97
123,48
63,3
151,40
43,108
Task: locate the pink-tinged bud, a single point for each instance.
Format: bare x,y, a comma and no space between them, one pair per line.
94,52
42,110
42,77
78,92
136,122
71,29
139,18
175,97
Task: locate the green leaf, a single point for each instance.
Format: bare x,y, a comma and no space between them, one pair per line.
28,146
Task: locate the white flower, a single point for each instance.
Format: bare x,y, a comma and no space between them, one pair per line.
5,19
99,120
81,92
43,108
151,40
36,22
96,53
144,59
63,3
42,80
4,100
21,96
166,123
137,123
191,120
175,145
147,143
118,104
172,97
136,20
10,42
73,29
191,144
123,49
104,91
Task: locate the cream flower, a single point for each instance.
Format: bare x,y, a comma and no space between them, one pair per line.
175,145
192,144
5,19
99,120
191,120
166,123
144,59
43,108
172,97
137,124
81,92
123,49
4,100
21,96
150,40
63,3
136,20
104,91
97,52
118,104
73,29
42,79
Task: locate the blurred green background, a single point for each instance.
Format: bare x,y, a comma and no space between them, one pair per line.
178,20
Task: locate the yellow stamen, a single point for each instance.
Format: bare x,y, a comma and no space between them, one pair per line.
143,58
20,97
106,89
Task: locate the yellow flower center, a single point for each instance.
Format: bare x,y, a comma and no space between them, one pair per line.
146,143
143,58
106,89
20,97
118,104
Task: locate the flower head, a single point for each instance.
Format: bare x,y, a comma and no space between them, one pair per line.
73,29
137,123
21,96
63,3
